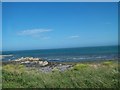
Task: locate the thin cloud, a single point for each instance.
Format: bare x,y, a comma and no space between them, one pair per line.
33,32
75,36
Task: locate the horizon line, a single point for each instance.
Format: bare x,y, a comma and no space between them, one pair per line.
58,48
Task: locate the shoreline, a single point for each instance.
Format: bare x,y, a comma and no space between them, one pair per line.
3,56
46,66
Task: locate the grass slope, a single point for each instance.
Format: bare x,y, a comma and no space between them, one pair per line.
82,75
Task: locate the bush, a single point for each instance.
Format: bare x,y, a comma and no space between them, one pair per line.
107,63
80,66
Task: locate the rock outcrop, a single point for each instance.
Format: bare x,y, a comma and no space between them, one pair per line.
31,60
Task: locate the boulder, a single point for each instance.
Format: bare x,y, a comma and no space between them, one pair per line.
26,62
43,63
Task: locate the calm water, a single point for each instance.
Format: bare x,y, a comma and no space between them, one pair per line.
68,54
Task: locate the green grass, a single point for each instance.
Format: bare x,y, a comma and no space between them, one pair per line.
102,75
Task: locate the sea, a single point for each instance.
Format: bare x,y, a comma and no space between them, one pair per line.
67,54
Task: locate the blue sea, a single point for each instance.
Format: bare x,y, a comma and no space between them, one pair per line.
67,54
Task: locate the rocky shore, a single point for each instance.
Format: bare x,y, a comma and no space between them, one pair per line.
40,64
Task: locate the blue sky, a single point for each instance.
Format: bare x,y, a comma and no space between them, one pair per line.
58,25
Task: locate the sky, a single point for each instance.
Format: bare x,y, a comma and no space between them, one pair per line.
49,25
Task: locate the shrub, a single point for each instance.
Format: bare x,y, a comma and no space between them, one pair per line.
107,63
80,66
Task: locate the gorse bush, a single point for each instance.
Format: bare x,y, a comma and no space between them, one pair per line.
80,76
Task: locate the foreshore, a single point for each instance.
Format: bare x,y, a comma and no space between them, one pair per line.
40,64
44,65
